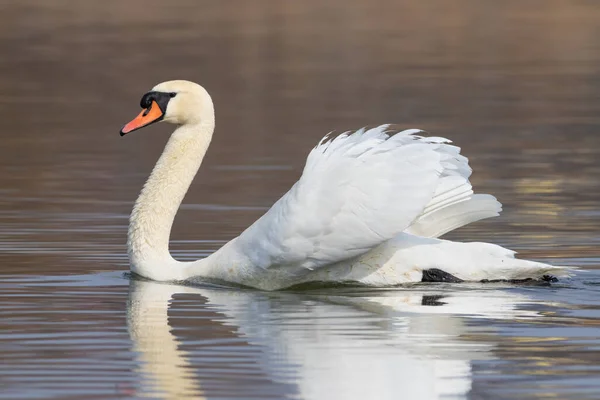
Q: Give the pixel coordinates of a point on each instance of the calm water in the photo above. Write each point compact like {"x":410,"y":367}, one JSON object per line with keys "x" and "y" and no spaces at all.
{"x":516,"y":84}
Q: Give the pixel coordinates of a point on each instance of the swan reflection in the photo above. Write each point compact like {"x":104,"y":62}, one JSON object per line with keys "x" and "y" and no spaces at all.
{"x":336,"y":345}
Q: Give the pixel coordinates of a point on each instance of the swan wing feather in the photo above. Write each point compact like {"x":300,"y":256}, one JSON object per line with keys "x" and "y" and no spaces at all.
{"x":357,"y":190}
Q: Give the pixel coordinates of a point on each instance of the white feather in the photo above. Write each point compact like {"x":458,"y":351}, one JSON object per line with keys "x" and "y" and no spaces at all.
{"x":439,"y":221}
{"x":357,"y":191}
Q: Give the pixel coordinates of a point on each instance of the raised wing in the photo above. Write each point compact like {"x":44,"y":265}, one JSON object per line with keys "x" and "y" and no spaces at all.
{"x":356,"y":191}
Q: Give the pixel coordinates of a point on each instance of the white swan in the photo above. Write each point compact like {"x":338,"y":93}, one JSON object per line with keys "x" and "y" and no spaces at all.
{"x":368,"y":208}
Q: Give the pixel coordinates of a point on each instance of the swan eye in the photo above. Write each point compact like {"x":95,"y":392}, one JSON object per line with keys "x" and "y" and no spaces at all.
{"x":146,"y":101}
{"x":172,"y":94}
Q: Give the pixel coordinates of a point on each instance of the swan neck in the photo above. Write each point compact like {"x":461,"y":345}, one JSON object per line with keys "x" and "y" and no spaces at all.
{"x":155,"y":208}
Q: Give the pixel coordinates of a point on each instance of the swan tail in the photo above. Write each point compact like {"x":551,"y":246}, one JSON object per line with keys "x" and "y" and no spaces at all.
{"x":513,"y":269}
{"x":454,"y":214}
{"x":477,"y":261}
{"x":412,"y":258}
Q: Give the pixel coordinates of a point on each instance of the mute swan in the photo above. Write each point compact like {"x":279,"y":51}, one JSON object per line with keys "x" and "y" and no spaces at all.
{"x":367,"y":209}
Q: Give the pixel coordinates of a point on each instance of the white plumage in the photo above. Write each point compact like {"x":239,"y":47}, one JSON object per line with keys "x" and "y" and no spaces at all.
{"x":366,"y":209}
{"x":356,"y":191}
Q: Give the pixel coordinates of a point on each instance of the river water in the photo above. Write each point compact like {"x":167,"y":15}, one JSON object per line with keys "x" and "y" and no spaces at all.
{"x":516,"y":84}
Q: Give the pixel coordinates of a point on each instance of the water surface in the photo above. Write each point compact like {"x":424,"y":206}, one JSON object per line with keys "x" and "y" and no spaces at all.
{"x":516,"y":85}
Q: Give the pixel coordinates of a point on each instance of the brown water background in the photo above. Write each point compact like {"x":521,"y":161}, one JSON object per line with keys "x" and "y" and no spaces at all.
{"x":516,"y":84}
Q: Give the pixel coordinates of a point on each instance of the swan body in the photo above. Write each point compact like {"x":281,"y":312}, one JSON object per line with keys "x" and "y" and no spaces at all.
{"x":368,"y":208}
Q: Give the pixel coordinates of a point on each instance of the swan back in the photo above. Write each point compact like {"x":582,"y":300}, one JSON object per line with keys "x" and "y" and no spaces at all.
{"x":356,"y":191}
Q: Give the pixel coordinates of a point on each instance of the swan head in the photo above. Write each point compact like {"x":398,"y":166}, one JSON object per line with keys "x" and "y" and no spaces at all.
{"x":177,"y":102}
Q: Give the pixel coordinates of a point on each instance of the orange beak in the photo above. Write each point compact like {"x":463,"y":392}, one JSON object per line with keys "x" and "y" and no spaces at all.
{"x":147,"y":116}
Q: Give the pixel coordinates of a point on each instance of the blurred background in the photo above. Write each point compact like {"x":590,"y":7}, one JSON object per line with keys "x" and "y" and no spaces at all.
{"x":515,"y":83}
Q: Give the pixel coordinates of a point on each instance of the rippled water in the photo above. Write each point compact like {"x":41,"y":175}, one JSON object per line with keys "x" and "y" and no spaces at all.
{"x":515,"y":84}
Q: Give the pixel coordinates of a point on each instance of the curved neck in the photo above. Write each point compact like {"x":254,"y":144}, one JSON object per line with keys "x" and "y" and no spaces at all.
{"x":154,"y":211}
